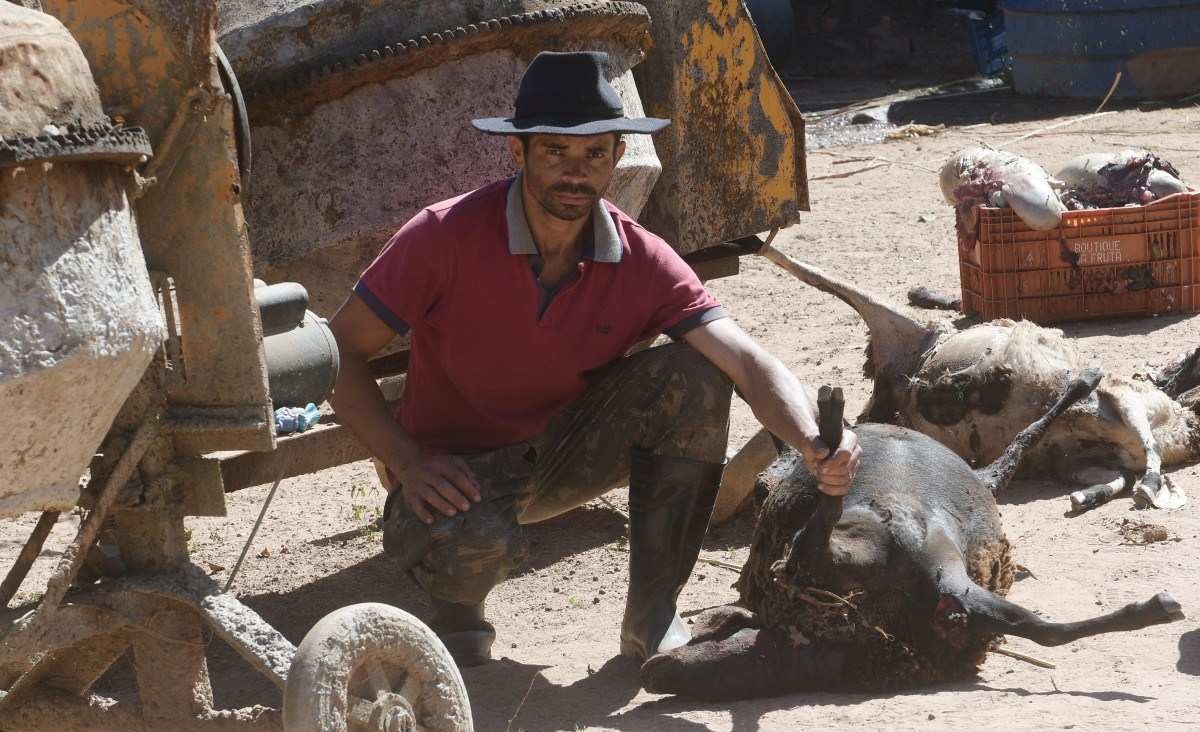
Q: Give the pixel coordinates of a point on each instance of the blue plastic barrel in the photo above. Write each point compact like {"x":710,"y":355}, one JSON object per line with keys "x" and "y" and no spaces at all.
{"x":985,"y":33}
{"x":1074,"y":48}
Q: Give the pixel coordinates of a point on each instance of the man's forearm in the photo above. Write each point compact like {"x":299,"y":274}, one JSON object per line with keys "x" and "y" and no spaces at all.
{"x":361,"y":407}
{"x":778,"y":399}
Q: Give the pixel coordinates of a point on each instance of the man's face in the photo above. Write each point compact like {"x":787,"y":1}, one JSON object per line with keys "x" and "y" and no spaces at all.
{"x":567,"y":174}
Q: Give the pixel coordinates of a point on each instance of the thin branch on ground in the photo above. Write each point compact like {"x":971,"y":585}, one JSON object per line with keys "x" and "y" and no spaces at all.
{"x":1056,"y":125}
{"x":849,"y":173}
{"x":1111,"y":89}
{"x":719,"y":563}
{"x":614,"y":507}
{"x":525,"y":698}
{"x":855,"y":159}
{"x":844,"y":159}
{"x":1023,"y":657}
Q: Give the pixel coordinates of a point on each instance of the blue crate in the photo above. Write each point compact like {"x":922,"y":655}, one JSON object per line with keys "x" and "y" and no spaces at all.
{"x":985,"y":33}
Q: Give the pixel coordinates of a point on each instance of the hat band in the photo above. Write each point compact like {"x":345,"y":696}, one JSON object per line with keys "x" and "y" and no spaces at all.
{"x":528,"y":111}
{"x":558,"y":120}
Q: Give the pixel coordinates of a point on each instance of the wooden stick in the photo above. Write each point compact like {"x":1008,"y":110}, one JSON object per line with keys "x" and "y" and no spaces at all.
{"x":524,"y":699}
{"x":25,"y":559}
{"x":849,"y":173}
{"x":613,"y":506}
{"x":848,"y":161}
{"x":719,"y":563}
{"x":844,"y":159}
{"x":1023,"y":657}
{"x":1111,"y":89}
{"x":1056,"y":125}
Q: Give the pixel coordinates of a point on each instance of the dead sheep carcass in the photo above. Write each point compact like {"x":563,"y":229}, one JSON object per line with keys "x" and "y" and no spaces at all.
{"x":974,"y":390}
{"x":900,"y":589}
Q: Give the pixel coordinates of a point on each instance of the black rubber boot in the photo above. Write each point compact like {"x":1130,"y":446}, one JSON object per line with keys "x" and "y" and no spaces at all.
{"x":464,"y":632}
{"x":670,"y":501}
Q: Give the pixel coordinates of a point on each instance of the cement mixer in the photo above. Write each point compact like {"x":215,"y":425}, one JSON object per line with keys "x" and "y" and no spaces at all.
{"x":149,"y":173}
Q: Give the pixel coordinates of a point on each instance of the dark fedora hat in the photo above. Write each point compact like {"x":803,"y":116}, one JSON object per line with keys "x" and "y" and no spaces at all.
{"x":568,"y":94}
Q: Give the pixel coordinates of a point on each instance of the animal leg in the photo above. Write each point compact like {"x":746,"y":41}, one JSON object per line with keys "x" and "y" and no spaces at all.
{"x":988,"y":613}
{"x":1181,"y":377}
{"x":999,"y":474}
{"x":965,"y":610}
{"x":1153,"y":489}
{"x":722,"y":622}
{"x":750,"y":663}
{"x":1102,"y":486}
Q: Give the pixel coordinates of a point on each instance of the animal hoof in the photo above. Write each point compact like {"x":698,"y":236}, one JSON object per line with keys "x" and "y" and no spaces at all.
{"x":923,"y":297}
{"x":1168,"y":607}
{"x":1158,"y":493}
{"x":660,"y":672}
{"x":1088,"y":498}
{"x":1085,"y":383}
{"x":721,"y":622}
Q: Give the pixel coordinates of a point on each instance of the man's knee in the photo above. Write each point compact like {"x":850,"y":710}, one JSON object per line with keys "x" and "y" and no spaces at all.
{"x":460,"y":558}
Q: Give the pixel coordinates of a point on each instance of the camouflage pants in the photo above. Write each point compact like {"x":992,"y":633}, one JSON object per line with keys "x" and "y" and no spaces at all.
{"x":670,"y":400}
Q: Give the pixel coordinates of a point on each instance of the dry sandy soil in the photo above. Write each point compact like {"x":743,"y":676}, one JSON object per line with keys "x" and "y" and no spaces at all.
{"x":886,"y":228}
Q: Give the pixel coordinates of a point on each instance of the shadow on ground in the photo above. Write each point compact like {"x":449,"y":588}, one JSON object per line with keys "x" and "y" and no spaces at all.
{"x":380,"y":579}
{"x":1120,"y":327}
{"x":993,"y":107}
{"x":1189,"y":653}
{"x":510,"y":695}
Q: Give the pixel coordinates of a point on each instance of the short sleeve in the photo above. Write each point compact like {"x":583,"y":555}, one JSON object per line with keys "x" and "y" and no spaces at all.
{"x":679,"y":301}
{"x":409,"y":276}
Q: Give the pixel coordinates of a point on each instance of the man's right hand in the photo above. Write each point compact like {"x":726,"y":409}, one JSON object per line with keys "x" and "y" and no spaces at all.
{"x":437,"y":481}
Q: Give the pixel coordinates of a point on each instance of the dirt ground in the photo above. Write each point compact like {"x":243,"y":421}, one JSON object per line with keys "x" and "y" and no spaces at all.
{"x":558,"y":617}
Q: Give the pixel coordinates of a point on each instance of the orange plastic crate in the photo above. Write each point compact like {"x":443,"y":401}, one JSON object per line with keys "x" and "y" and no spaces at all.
{"x":1100,"y":263}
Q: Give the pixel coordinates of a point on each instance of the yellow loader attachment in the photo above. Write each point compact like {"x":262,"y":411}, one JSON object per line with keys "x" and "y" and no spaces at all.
{"x":733,"y":157}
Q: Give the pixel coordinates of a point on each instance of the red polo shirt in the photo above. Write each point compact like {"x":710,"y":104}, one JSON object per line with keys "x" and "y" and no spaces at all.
{"x":494,"y":354}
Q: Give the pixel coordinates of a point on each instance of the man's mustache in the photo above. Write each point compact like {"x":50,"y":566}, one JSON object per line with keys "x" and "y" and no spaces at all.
{"x":574,"y":189}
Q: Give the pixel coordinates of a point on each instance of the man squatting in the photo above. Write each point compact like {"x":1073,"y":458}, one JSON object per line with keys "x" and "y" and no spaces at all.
{"x":522,"y":299}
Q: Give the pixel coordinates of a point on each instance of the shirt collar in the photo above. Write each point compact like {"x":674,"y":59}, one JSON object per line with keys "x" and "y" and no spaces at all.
{"x":605,"y":241}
